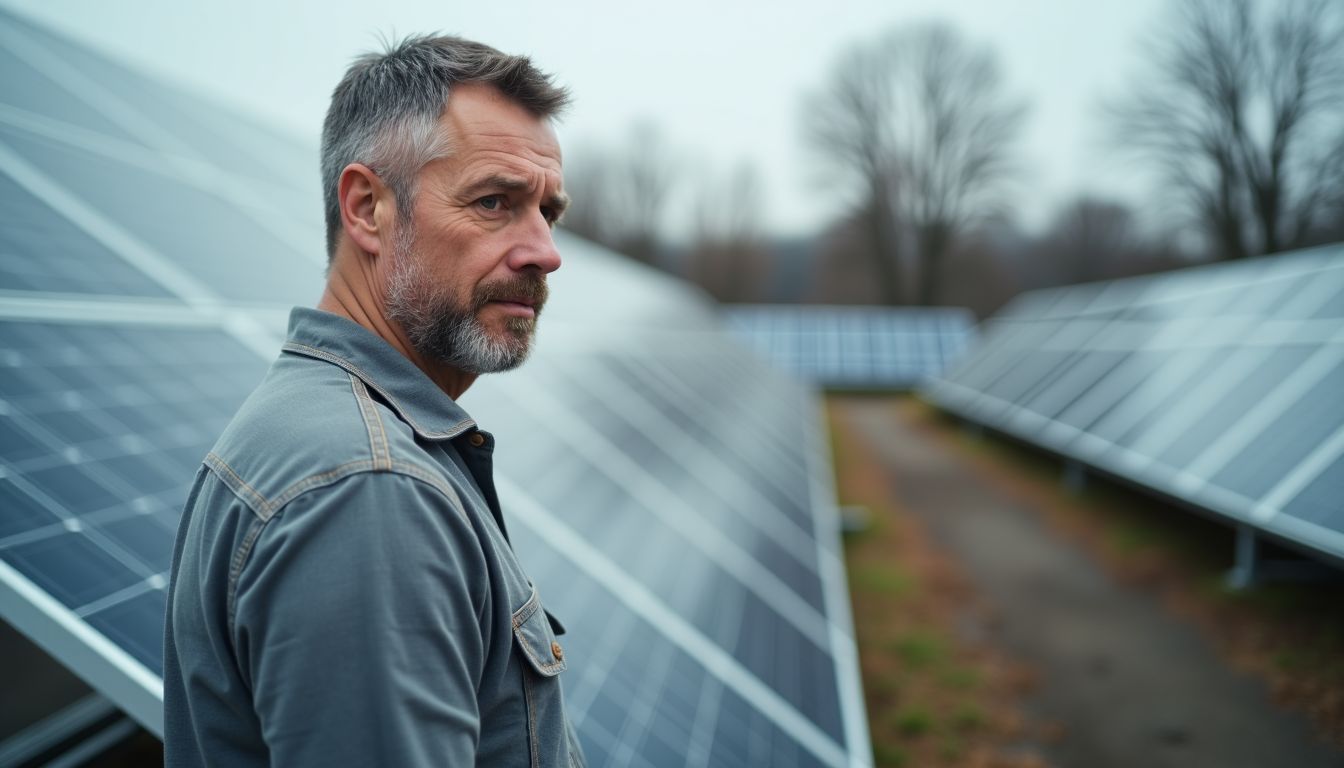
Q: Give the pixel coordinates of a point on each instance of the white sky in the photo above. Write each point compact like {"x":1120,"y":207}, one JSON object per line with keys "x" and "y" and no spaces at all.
{"x":724,"y":81}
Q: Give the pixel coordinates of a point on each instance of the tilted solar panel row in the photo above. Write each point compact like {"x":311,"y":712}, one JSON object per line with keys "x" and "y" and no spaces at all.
{"x":1222,"y":385}
{"x":843,"y":347}
{"x":669,"y":496}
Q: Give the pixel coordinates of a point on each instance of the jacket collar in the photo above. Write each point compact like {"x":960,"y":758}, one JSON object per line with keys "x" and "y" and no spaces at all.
{"x":347,"y":344}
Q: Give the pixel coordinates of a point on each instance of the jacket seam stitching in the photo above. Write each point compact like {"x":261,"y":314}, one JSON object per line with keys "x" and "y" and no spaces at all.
{"x":304,"y":349}
{"x":242,"y":555}
{"x":378,"y":443}
{"x":236,"y":569}
{"x":260,"y":506}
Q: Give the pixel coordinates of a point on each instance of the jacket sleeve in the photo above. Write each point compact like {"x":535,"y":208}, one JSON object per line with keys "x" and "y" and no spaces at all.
{"x":358,"y":626}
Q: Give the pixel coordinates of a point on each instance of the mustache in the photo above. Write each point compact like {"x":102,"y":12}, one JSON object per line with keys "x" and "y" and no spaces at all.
{"x":529,"y":288}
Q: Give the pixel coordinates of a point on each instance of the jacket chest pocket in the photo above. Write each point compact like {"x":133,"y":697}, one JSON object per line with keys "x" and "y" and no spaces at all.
{"x":543,"y":659}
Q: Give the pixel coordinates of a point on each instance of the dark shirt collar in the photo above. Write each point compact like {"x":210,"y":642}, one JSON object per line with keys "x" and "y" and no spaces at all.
{"x":343,"y":342}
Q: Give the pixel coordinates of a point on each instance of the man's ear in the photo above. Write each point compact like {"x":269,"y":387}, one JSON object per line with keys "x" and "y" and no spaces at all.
{"x":360,"y":194}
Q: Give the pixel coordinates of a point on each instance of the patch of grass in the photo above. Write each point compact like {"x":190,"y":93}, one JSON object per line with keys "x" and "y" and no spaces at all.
{"x":888,"y":755}
{"x":968,"y":717}
{"x":952,"y":749}
{"x":1130,"y":538}
{"x":907,"y":599}
{"x":960,"y":678}
{"x":919,"y":649}
{"x":1290,"y":660}
{"x":884,"y":579}
{"x":914,"y":721}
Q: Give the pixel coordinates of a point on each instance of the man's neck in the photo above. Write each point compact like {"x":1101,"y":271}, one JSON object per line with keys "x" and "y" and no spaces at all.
{"x":349,"y":293}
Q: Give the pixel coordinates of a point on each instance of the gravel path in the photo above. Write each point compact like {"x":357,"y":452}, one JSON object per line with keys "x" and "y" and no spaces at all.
{"x":1130,"y":684}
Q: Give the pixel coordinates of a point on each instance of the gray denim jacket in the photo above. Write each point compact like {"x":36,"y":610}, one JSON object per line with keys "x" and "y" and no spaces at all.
{"x":343,"y":589}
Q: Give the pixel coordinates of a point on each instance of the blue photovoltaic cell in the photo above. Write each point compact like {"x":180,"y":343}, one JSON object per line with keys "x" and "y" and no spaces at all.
{"x":1322,"y":502}
{"x":229,"y":140}
{"x":711,"y":521}
{"x":704,"y":496}
{"x":27,"y":88}
{"x":636,"y":698}
{"x":136,"y":624}
{"x":854,"y":347}
{"x":73,"y":567}
{"x":1223,"y":379}
{"x":92,"y":476}
{"x":42,"y":251}
{"x":1287,"y":441}
{"x":209,"y":237}
{"x":696,"y":587}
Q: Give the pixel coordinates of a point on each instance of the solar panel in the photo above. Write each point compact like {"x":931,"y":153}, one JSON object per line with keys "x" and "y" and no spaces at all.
{"x":1220,"y":385}
{"x":840,"y":347}
{"x":676,"y":489}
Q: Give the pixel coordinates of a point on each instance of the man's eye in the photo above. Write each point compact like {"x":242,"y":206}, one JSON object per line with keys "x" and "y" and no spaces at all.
{"x":550,"y":214}
{"x":491,"y":203}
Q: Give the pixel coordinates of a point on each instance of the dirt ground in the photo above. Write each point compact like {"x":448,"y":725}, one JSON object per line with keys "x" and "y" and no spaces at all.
{"x":1119,"y":678}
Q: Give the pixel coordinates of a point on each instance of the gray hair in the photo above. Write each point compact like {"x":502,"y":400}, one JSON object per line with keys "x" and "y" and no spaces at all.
{"x":385,"y":111}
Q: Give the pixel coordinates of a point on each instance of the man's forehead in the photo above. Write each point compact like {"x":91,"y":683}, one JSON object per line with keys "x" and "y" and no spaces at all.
{"x":480,"y":115}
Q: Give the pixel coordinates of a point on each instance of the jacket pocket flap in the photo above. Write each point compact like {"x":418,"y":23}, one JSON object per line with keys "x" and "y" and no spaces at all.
{"x":532,"y":628}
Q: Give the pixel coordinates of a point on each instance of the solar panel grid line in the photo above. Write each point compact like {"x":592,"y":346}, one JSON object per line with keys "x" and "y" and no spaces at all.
{"x":1137,"y":406}
{"x":739,"y":497}
{"x":702,"y":730}
{"x":1301,"y":476}
{"x":102,"y":229}
{"x":157,"y":581}
{"x":85,"y":651}
{"x":1293,"y":387}
{"x":1206,"y":337}
{"x":70,"y":523}
{"x":835,"y":594}
{"x":639,"y":715}
{"x":36,"y":306}
{"x":1055,"y":433}
{"x":251,"y":196}
{"x":1221,"y":378}
{"x":581,"y":692}
{"x":721,"y":409}
{"x":773,"y":470}
{"x":1015,"y":350}
{"x":1105,"y":458}
{"x":1327,"y":540}
{"x":756,"y":458}
{"x":218,"y":241}
{"x":672,"y":511}
{"x":652,"y":609}
{"x":79,"y":85}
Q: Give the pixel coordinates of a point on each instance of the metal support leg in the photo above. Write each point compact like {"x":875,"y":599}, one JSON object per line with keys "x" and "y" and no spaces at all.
{"x":1074,"y":478}
{"x":56,"y":728}
{"x":1243,"y":573}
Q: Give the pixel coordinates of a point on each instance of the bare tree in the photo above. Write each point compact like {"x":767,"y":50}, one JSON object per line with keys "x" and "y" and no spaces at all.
{"x":620,"y":194}
{"x":727,"y":256}
{"x":919,"y":122}
{"x":1089,"y":239}
{"x":1243,"y":111}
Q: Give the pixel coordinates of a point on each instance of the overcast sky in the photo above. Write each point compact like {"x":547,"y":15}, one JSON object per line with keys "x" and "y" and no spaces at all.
{"x":723,"y":81}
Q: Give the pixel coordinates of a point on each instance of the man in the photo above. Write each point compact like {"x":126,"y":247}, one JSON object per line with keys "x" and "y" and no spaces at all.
{"x":343,"y":590}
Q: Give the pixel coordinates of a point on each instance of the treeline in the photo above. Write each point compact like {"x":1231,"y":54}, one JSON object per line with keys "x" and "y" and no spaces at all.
{"x":1238,"y":114}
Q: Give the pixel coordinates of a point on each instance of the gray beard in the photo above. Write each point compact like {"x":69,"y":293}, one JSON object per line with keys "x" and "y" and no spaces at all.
{"x":448,"y":332}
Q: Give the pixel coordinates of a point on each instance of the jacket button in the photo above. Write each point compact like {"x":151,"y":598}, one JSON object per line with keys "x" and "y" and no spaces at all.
{"x":557,"y":651}
{"x":477,"y":439}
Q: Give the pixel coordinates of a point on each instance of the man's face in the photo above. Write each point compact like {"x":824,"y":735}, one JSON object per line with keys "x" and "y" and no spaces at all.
{"x":467,"y":278}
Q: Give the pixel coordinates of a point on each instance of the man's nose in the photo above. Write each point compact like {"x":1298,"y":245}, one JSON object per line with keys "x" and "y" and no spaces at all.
{"x":536,"y":247}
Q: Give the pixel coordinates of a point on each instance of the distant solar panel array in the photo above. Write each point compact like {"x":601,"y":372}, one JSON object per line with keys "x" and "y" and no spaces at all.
{"x":1220,"y":385}
{"x":855,"y":347}
{"x":669,"y":496}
